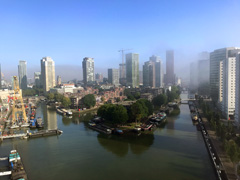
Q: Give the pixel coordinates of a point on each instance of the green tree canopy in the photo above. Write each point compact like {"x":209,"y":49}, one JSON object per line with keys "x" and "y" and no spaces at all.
{"x":58,"y":97}
{"x":159,"y":100}
{"x":116,"y":114}
{"x":89,"y":100}
{"x":148,"y":104}
{"x":66,"y":102}
{"x":138,"y":111}
{"x":50,"y":96}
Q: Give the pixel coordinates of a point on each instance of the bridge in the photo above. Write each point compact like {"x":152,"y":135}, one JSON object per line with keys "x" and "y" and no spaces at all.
{"x":185,"y":101}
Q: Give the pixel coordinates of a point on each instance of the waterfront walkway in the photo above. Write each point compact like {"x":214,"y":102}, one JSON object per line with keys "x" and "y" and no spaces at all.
{"x":228,"y":166}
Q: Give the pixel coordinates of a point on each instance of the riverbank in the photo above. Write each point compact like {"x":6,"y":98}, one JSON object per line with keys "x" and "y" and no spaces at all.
{"x":227,"y":164}
{"x":85,"y":111}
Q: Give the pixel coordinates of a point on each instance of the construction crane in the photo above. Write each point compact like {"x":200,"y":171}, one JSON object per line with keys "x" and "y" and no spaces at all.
{"x":122,"y":51}
{"x":18,"y":106}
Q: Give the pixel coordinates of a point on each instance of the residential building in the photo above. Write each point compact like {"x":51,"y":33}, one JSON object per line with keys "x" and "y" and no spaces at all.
{"x":47,"y":73}
{"x":228,"y":88}
{"x":0,"y":76}
{"x":237,"y":91}
{"x":113,"y":76}
{"x":59,"y":80}
{"x":132,"y":67}
{"x":22,"y":74}
{"x":193,"y":77}
{"x":203,"y":77}
{"x":88,"y":70}
{"x":149,"y":74}
{"x":215,"y":57}
{"x":37,"y":79}
{"x":140,"y":77}
{"x":122,"y":74}
{"x":158,"y":70}
{"x":170,"y":76}
{"x":99,"y":77}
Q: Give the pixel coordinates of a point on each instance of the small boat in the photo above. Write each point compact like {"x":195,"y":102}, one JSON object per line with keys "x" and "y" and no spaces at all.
{"x":14,"y":156}
{"x":16,"y":166}
{"x":118,"y":131}
{"x":33,"y":123}
{"x":39,"y":122}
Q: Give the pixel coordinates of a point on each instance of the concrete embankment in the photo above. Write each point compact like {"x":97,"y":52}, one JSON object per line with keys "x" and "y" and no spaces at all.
{"x":217,"y":145}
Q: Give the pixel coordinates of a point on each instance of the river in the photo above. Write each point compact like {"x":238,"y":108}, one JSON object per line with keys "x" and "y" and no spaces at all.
{"x":174,"y":151}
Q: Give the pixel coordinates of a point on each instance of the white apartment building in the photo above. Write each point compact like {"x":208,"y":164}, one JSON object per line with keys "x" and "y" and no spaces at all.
{"x":220,"y":83}
{"x":88,"y":70}
{"x":228,"y":86}
{"x":215,"y":57}
{"x":237,"y":90}
{"x":47,"y":73}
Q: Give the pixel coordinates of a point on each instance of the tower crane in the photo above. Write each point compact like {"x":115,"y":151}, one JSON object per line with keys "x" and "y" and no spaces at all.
{"x":122,"y":51}
{"x":18,"y":106}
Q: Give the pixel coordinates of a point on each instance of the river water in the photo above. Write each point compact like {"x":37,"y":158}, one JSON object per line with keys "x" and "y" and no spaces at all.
{"x":174,"y":151}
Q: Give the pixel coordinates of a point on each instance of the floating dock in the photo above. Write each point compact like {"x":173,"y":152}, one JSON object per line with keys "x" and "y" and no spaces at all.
{"x":43,"y":133}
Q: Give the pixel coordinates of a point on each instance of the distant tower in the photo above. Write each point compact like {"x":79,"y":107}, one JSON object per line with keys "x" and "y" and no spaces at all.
{"x":22,"y":74}
{"x":59,"y":80}
{"x":88,"y":70}
{"x":132,"y":67}
{"x":113,"y":76}
{"x":37,"y":79}
{"x":170,"y":76}
{"x":0,"y":77}
{"x":99,"y":77}
{"x":158,"y":70}
{"x":149,"y":75}
{"x":47,"y":73}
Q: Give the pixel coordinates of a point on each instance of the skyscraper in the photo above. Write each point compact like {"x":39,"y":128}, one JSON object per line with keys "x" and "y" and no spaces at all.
{"x":88,"y":70}
{"x":113,"y":76}
{"x":0,"y":76}
{"x":158,"y":70}
{"x":170,"y":76}
{"x":37,"y":79}
{"x":47,"y":73}
{"x":215,"y":57}
{"x":237,"y":90}
{"x":149,"y":74}
{"x":228,"y":87}
{"x":22,"y":74}
{"x":122,"y":74}
{"x":59,"y":80}
{"x":132,"y":67}
{"x":99,"y":77}
{"x":193,"y":77}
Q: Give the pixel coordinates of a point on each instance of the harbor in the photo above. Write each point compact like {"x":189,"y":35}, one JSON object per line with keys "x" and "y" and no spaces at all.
{"x":176,"y":149}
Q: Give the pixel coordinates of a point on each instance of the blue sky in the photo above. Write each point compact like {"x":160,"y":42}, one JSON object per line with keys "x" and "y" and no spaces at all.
{"x":69,"y":30}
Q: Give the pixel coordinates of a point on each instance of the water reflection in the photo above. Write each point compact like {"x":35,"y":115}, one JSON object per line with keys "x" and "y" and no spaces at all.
{"x":120,"y":145}
{"x":49,"y":117}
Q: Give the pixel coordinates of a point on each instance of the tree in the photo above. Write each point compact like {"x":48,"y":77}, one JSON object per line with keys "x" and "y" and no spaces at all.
{"x":233,"y":151}
{"x":58,"y":97}
{"x":138,"y":111}
{"x":115,"y":114}
{"x":148,"y":104}
{"x":159,"y":100}
{"x":50,"y":96}
{"x":117,"y":99}
{"x":119,"y":115}
{"x":89,"y":100}
{"x":66,"y":102}
{"x":102,"y":99}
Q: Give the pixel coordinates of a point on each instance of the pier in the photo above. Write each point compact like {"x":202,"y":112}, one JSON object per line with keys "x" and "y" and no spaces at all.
{"x":41,"y":133}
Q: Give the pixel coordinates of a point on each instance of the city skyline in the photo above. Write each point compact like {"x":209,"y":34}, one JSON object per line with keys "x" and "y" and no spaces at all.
{"x":75,"y":34}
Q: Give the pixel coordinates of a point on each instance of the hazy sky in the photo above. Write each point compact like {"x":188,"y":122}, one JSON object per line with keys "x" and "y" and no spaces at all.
{"x":69,"y":30}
